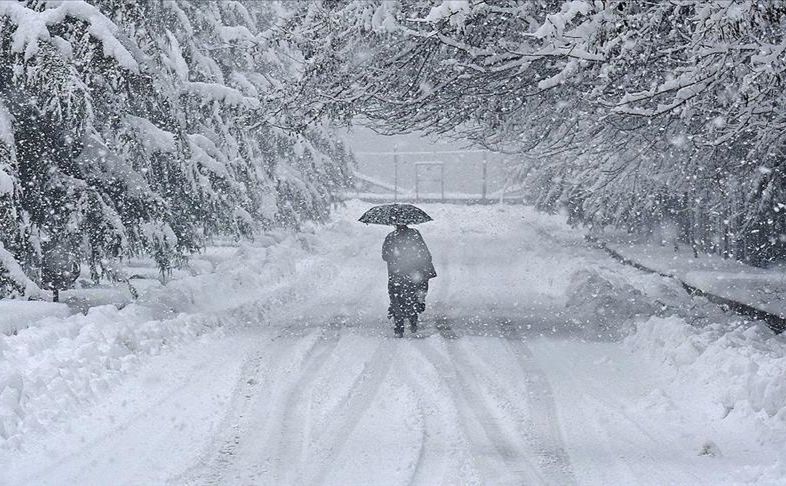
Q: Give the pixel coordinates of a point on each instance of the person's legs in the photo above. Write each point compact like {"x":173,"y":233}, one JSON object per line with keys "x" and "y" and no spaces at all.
{"x":396,"y":309}
{"x":422,"y":291}
{"x":406,"y":302}
{"x":409,"y":303}
{"x":398,"y":327}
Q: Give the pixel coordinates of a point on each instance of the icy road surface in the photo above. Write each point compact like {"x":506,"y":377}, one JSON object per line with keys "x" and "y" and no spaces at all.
{"x":306,"y":385}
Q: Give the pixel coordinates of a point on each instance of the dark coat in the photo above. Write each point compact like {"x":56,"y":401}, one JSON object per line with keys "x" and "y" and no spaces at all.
{"x":407,"y":255}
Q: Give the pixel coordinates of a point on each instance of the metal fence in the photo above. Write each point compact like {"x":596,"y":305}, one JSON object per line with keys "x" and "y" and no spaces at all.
{"x":460,"y":175}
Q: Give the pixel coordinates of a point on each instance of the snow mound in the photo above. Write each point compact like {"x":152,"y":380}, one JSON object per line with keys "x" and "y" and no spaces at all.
{"x":745,"y":364}
{"x":603,"y":303}
{"x":18,"y":314}
{"x":736,"y":371}
{"x":50,"y":370}
{"x":56,"y":364}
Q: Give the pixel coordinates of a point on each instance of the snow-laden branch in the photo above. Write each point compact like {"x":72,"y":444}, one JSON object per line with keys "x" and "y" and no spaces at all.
{"x":33,"y":27}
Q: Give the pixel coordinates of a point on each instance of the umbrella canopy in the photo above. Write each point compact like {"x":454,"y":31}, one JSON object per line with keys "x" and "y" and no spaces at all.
{"x":393,"y":214}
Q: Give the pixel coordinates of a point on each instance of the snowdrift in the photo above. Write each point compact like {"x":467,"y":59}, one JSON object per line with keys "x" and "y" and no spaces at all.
{"x":736,"y":371}
{"x":57,"y":363}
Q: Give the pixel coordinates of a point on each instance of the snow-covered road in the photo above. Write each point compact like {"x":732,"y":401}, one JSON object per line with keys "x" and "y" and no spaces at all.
{"x":343,"y":404}
{"x":504,"y":384}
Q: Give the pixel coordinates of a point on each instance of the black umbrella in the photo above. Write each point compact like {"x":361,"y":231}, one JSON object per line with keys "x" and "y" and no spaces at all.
{"x":393,"y":214}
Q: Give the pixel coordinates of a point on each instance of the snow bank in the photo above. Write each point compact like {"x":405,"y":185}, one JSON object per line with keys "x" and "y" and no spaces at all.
{"x":746,"y":363}
{"x":738,"y":368}
{"x":54,"y":366}
{"x":18,"y":314}
{"x":604,"y":302}
{"x":49,"y":370}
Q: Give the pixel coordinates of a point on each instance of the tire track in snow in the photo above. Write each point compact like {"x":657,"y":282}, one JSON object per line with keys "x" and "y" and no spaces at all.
{"x":489,"y":442}
{"x":262,"y":372}
{"x":291,"y":423}
{"x":224,"y":448}
{"x":438,"y":462}
{"x":543,"y":410}
{"x":351,"y":409}
{"x":540,"y":431}
{"x":519,"y":424}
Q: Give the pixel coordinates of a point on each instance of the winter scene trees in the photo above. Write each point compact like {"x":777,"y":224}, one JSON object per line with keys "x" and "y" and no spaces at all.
{"x":634,"y":114}
{"x":392,"y":242}
{"x":147,"y":128}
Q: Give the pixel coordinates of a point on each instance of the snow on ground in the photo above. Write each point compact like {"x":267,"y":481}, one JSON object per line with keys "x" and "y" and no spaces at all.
{"x":540,"y":361}
{"x":53,"y":366}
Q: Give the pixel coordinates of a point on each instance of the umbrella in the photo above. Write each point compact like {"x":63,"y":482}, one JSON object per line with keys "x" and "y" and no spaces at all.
{"x":393,"y":214}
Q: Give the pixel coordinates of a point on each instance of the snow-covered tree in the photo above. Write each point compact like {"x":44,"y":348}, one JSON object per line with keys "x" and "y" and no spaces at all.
{"x":631,"y":113}
{"x":147,"y":127}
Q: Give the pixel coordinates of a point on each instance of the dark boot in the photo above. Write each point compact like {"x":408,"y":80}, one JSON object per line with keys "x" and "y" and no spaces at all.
{"x":413,"y":323}
{"x":398,"y":328}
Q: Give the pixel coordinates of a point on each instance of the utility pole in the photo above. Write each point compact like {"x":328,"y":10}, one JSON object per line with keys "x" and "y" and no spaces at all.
{"x":485,"y":172}
{"x":442,"y":180}
{"x":395,"y":173}
{"x":417,"y":182}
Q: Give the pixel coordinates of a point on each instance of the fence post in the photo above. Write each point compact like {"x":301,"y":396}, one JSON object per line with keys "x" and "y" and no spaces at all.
{"x":442,"y":181}
{"x":417,"y":183}
{"x":485,"y":167}
{"x":395,"y":173}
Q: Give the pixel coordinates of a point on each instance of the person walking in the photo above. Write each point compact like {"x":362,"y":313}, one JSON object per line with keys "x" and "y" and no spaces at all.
{"x":409,"y":270}
{"x":408,"y":259}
